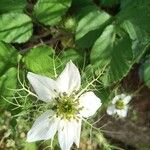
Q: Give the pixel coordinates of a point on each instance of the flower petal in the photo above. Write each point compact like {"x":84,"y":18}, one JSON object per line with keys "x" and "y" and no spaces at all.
{"x":122,"y":112}
{"x":66,"y":134}
{"x":69,"y":80}
{"x":127,"y":99}
{"x":90,"y":103}
{"x":111,"y":110}
{"x":44,"y":87}
{"x":123,"y":96}
{"x":44,"y":127}
{"x":78,"y":133}
{"x":117,"y":97}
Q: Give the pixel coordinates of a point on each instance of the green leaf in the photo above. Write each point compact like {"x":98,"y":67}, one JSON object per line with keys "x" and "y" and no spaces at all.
{"x":90,"y":25}
{"x":129,"y":3}
{"x":103,"y":47}
{"x":78,"y":5}
{"x":8,"y":57}
{"x":110,"y":2}
{"x":103,"y":92}
{"x":137,"y":18}
{"x":140,"y":37}
{"x":71,"y":54}
{"x":49,"y":12}
{"x":112,"y":52}
{"x":90,"y":22}
{"x":146,"y":72}
{"x":81,"y":3}
{"x":30,"y":146}
{"x":15,"y":27}
{"x":8,"y":71}
{"x":8,"y":81}
{"x":40,"y":60}
{"x":134,"y":31}
{"x":12,"y":5}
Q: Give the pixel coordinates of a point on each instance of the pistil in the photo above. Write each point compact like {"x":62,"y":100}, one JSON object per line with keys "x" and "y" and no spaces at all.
{"x":66,"y":106}
{"x":120,"y":104}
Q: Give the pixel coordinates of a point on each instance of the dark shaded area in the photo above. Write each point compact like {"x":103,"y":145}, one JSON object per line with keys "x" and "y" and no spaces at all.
{"x":112,"y":10}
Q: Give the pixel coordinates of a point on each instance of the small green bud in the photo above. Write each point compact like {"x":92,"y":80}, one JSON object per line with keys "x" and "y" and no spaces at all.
{"x":70,"y":23}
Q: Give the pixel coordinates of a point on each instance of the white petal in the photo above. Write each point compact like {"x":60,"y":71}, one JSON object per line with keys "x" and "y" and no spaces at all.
{"x":90,"y":103}
{"x":117,"y":97}
{"x":122,"y":96}
{"x":69,"y":80}
{"x":44,"y":87}
{"x":78,"y":133}
{"x":66,"y":134}
{"x":127,"y":99}
{"x":44,"y":127}
{"x":123,"y":112}
{"x":111,"y":110}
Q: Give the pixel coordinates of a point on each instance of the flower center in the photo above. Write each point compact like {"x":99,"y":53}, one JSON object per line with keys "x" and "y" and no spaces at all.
{"x":120,"y":104}
{"x":67,"y":107}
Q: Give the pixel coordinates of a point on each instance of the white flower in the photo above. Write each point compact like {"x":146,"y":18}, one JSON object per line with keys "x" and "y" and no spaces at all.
{"x":69,"y":108}
{"x":119,"y":105}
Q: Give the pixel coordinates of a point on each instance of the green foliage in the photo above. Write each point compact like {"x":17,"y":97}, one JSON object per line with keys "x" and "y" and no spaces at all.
{"x":12,"y":5}
{"x":49,"y":33}
{"x":146,"y":72}
{"x":8,"y":82}
{"x":104,"y":93}
{"x":110,"y":2}
{"x":49,"y":12}
{"x":8,"y":57}
{"x":71,"y":54}
{"x":15,"y":27}
{"x":92,"y":21}
{"x":40,"y":60}
{"x":8,"y":71}
{"x":30,"y":146}
{"x":129,"y":3}
{"x":79,"y":3}
{"x":112,"y":51}
{"x":137,"y":21}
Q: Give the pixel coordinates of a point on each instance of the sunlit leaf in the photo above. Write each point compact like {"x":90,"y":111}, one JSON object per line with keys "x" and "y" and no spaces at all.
{"x":30,"y":146}
{"x":89,"y":26}
{"x":15,"y":27}
{"x":92,"y":21}
{"x":40,"y":60}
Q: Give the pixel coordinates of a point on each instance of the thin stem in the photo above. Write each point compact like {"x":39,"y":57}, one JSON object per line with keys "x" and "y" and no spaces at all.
{"x":138,"y":90}
{"x":100,"y":136}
